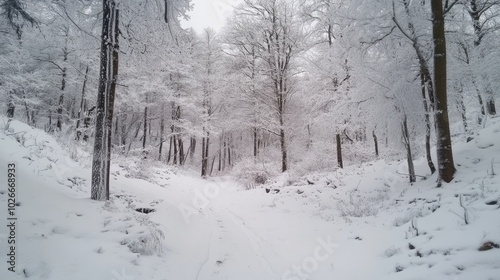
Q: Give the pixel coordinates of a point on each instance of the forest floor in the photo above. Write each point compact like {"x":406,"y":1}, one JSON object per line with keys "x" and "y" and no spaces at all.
{"x":361,"y":222}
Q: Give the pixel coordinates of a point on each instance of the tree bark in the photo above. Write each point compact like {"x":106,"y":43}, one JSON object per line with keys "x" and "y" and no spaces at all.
{"x":409,"y":157}
{"x":446,"y":165}
{"x":204,"y":153}
{"x":63,"y":87}
{"x":11,"y":106}
{"x":339,"y":151}
{"x":108,"y":74}
{"x":162,"y":130}
{"x":145,"y":132}
{"x":192,"y":148}
{"x":375,"y":142}
{"x":82,"y":102}
{"x":255,"y":142}
{"x":427,"y":125}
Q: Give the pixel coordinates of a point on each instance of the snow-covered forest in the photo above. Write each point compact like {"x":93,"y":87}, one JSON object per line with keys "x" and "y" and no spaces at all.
{"x":304,"y":139}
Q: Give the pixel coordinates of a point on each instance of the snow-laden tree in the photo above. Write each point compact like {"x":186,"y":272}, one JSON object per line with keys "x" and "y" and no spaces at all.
{"x":273,"y":31}
{"x":108,"y":76}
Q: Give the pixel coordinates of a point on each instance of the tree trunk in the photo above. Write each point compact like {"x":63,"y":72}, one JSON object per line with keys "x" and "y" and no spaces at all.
{"x":169,"y":155}
{"x":284,"y":163}
{"x":446,"y":165}
{"x":427,"y":125}
{"x":220,"y":153}
{"x":224,"y":156}
{"x":204,"y":153}
{"x":255,"y":142}
{"x":375,"y":142}
{"x":309,"y":137}
{"x":11,"y":106}
{"x":145,"y":132}
{"x":174,"y":141}
{"x":63,"y":87}
{"x":339,"y":151}
{"x":490,"y":105}
{"x":82,"y":102}
{"x":123,"y":134}
{"x":162,"y":130}
{"x":105,"y":101}
{"x":181,"y":149}
{"x":409,"y":157}
{"x":192,"y":148}
{"x":229,"y":150}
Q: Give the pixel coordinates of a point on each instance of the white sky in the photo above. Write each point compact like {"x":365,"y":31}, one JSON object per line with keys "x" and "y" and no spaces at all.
{"x":209,"y":13}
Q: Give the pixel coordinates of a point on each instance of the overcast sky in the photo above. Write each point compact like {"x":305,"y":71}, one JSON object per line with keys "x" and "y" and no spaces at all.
{"x":209,"y":13}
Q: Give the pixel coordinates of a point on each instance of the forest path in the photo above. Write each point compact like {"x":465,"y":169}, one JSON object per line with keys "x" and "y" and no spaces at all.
{"x":235,"y":251}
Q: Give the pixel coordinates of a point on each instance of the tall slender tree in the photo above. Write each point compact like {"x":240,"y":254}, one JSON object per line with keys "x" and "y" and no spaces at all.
{"x":108,"y":74}
{"x":446,"y":165}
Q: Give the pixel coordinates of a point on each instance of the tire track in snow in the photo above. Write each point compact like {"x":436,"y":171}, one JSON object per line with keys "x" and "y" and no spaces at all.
{"x":209,"y":257}
{"x":233,"y":249}
{"x":256,"y":243}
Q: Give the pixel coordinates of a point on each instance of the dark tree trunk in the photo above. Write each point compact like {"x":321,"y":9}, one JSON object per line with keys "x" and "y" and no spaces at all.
{"x":375,"y":142}
{"x":123,"y":134}
{"x":203,"y":166}
{"x":409,"y":157}
{"x":169,"y":155}
{"x":339,"y":151}
{"x":11,"y":106}
{"x":220,"y":153}
{"x":229,"y":150}
{"x":174,"y":140}
{"x":255,"y":142}
{"x":162,"y":131}
{"x":181,"y":149}
{"x":446,"y":165}
{"x":284,"y":160}
{"x":145,"y":133}
{"x":490,"y":105}
{"x":224,"y":156}
{"x":204,"y":153}
{"x":108,"y":74}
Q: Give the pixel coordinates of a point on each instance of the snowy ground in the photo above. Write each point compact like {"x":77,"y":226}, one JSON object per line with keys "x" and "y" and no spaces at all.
{"x":363,"y":222}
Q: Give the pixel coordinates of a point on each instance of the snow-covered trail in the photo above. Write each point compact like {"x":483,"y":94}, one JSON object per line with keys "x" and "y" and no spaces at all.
{"x":356,"y":223}
{"x":234,"y":251}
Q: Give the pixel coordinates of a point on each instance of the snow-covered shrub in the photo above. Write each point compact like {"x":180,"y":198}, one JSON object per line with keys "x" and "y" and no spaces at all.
{"x":251,"y":173}
{"x":408,"y":216}
{"x":391,"y":251}
{"x":362,"y":205}
{"x":138,"y":169}
{"x":148,"y":243}
{"x":321,"y":157}
{"x":145,"y":238}
{"x":357,"y":207}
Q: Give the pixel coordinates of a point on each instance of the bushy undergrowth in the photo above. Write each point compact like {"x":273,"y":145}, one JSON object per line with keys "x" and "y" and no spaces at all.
{"x":361,"y":205}
{"x":251,"y":173}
